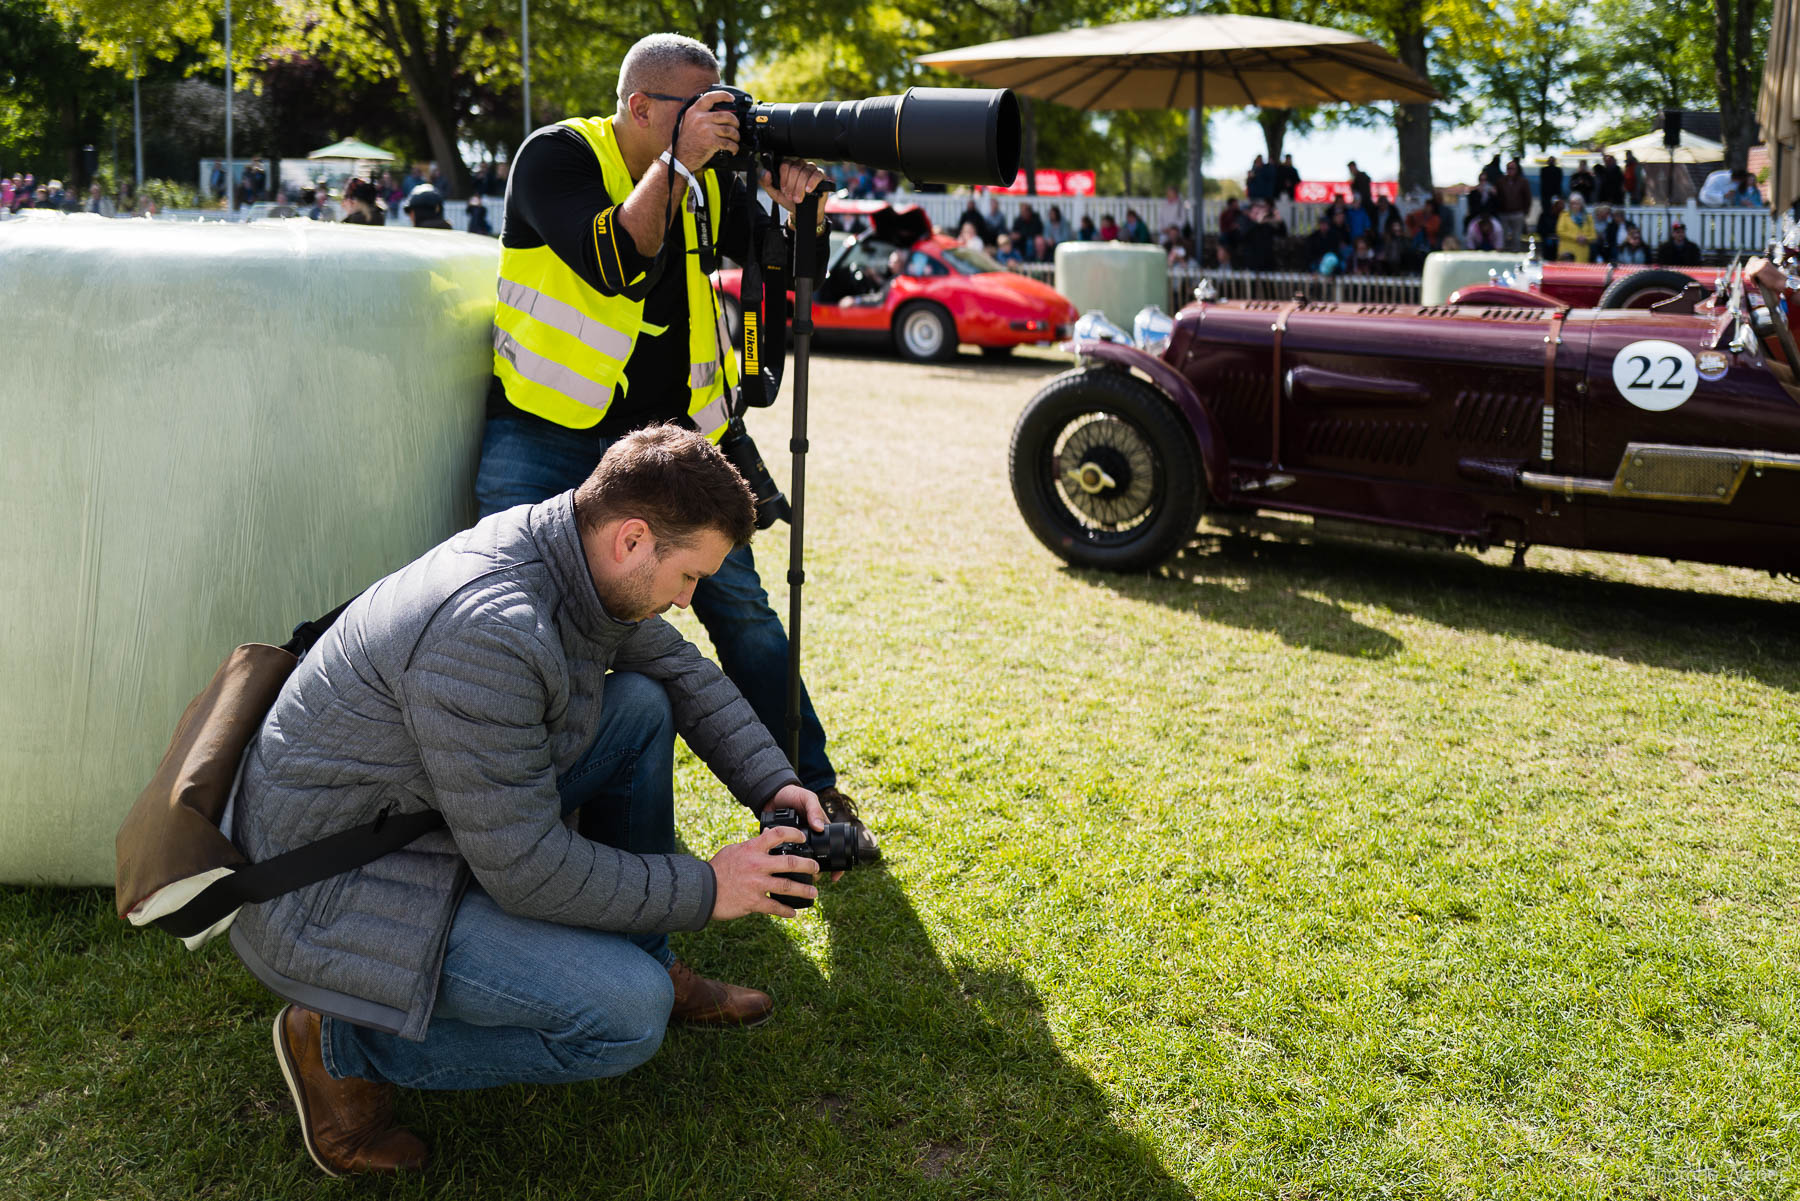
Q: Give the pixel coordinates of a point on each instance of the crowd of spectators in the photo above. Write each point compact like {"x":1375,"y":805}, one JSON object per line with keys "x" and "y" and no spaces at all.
{"x":22,"y":190}
{"x":1367,"y":235}
{"x":27,"y":192}
{"x":1030,"y":238}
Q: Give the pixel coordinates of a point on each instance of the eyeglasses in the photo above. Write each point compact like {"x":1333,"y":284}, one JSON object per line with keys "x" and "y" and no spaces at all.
{"x":666,"y":96}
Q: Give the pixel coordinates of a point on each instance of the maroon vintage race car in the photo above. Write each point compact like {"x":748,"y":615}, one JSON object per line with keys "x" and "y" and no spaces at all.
{"x":1587,"y":285}
{"x":1672,"y":432}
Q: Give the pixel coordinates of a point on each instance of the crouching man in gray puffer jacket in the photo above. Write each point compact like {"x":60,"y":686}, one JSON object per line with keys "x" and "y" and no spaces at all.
{"x":514,"y":676}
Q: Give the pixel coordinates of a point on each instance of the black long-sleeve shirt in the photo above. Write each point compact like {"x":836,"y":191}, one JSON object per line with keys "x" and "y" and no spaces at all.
{"x":556,"y":196}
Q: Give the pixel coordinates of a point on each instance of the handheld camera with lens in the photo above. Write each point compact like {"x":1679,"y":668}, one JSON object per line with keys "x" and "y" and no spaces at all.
{"x":834,"y":849}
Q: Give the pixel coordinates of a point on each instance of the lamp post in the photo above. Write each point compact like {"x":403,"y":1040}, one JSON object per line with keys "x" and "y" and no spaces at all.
{"x":137,"y":125}
{"x":230,"y":186}
{"x":525,"y":57}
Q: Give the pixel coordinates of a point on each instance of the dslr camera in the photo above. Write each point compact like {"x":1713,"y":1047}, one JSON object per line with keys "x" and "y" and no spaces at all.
{"x":932,"y":135}
{"x":834,"y":849}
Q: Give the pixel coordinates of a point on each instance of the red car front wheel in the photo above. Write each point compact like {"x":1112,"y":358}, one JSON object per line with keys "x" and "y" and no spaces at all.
{"x":924,"y":333}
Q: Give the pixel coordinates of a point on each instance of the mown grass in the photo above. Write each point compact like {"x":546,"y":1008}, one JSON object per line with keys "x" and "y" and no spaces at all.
{"x":1288,"y":871}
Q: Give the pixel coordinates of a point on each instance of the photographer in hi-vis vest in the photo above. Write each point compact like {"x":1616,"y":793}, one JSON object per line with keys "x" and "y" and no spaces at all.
{"x":608,"y":322}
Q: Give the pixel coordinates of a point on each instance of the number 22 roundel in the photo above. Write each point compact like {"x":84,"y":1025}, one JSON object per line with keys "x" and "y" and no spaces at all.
{"x":1654,"y":374}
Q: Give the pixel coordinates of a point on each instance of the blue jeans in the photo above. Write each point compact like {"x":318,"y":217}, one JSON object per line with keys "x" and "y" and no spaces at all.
{"x":524,"y":461}
{"x":523,"y":1001}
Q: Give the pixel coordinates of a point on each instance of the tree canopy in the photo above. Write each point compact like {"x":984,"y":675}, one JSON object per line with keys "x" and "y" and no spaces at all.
{"x":435,"y":76}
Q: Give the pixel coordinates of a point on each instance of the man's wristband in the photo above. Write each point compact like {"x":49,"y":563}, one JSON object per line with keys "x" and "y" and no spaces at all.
{"x":681,"y":168}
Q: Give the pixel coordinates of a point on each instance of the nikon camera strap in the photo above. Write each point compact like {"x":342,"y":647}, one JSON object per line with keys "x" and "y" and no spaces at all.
{"x":763,"y":298}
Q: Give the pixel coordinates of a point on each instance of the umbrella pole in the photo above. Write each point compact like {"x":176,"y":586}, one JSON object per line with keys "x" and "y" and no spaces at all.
{"x":1196,"y":154}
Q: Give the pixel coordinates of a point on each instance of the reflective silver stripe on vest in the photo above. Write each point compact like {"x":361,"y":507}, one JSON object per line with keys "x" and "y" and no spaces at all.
{"x":715,"y":414}
{"x":551,"y":374}
{"x":565,"y":317}
{"x":702,"y":374}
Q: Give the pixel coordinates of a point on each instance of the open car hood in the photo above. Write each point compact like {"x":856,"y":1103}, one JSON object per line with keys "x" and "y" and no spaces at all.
{"x":901,"y":225}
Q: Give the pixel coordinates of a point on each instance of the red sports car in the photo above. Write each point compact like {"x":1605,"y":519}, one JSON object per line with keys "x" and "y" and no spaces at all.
{"x":895,"y":281}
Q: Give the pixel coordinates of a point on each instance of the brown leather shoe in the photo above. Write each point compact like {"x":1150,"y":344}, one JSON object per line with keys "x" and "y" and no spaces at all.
{"x":703,"y":1002}
{"x":840,"y":808}
{"x":347,"y":1125}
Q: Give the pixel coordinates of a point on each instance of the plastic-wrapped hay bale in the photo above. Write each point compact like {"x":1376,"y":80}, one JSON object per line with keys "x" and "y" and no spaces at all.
{"x":1446,"y":271}
{"x":213,"y":432}
{"x":1118,"y":278}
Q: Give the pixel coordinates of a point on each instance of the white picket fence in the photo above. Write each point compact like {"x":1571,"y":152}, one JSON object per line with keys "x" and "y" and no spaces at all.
{"x":1270,"y":285}
{"x":1720,"y":231}
{"x":1725,"y":231}
{"x":455,"y":212}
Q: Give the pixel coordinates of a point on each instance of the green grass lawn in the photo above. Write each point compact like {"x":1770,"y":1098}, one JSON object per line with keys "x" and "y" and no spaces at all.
{"x":1287,"y":871}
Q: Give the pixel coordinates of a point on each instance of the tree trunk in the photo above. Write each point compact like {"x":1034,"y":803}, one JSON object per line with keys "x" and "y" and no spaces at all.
{"x":440,"y":131}
{"x":1735,"y":77}
{"x":1412,"y":122}
{"x":1274,"y":123}
{"x":733,"y":51}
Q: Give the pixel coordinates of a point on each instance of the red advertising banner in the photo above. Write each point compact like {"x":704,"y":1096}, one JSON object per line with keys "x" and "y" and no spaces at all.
{"x":1314,"y":191}
{"x":1051,"y":182}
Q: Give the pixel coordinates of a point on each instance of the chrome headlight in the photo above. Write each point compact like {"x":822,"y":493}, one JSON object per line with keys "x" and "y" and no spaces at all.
{"x":1151,"y":328}
{"x":1093,"y":326}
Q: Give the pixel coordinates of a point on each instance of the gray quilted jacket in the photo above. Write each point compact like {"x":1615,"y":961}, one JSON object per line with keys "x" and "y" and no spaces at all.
{"x":466,"y":682}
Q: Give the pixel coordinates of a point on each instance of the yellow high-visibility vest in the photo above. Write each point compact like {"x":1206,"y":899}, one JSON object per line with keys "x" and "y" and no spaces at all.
{"x":560,"y":347}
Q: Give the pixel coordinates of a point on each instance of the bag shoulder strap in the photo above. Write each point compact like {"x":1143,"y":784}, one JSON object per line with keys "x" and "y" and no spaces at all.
{"x":304,"y":865}
{"x":309,"y":632}
{"x":309,"y":864}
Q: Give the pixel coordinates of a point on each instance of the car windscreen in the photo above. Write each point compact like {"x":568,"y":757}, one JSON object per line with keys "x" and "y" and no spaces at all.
{"x":840,"y":242}
{"x":968,"y":261}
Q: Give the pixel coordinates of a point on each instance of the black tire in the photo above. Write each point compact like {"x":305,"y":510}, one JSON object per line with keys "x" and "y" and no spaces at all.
{"x":1641,"y":289}
{"x":1142,"y":501}
{"x":924,"y":333}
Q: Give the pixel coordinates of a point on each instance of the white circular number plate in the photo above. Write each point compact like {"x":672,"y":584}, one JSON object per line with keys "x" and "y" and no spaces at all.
{"x":1655,"y":375}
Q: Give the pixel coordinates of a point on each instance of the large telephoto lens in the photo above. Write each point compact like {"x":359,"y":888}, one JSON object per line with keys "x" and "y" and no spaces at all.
{"x":931,"y":135}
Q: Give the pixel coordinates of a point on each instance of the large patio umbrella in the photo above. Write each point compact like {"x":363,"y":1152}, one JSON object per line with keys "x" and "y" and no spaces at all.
{"x":353,"y":148}
{"x":1778,"y":104}
{"x":1190,"y":62}
{"x":1692,"y":148}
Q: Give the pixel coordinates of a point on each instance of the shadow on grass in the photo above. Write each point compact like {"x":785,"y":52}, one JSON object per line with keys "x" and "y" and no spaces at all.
{"x":1194,"y":582}
{"x":1261,"y":583}
{"x":135,"y":1069}
{"x":887,"y":1073}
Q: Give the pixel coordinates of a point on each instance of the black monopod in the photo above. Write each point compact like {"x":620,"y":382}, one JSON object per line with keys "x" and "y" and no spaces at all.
{"x":941,"y":135}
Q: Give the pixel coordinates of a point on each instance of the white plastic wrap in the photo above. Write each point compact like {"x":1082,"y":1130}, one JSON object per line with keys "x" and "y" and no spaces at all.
{"x":1118,"y":278}
{"x":1447,"y":271}
{"x":212,"y":433}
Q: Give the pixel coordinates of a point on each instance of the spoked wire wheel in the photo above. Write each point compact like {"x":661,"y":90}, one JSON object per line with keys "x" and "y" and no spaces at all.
{"x":1104,"y":471}
{"x":1106,"y":476}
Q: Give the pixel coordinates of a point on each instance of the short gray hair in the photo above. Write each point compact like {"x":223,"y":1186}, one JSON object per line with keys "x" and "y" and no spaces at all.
{"x":651,"y":60}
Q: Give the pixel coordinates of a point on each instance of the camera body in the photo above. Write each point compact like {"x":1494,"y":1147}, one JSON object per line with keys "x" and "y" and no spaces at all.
{"x":834,"y":849}
{"x":744,"y":105}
